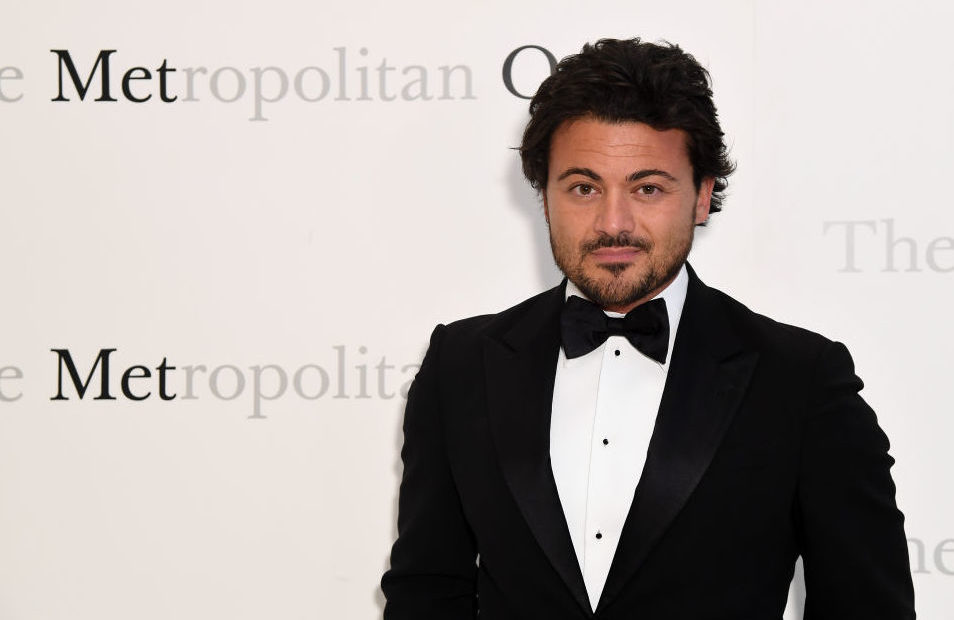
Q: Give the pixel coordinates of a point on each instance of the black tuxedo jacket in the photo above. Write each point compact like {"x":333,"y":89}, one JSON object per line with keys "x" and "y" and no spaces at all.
{"x":762,"y":451}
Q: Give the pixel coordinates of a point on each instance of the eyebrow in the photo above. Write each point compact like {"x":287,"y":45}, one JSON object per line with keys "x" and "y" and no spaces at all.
{"x":581,"y":171}
{"x":642,"y":174}
{"x":636,"y":176}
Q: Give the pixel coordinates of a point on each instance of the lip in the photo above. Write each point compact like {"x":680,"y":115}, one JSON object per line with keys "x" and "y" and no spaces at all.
{"x":615,"y":254}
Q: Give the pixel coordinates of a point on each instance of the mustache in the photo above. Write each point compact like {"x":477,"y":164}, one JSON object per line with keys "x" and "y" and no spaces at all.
{"x":622,"y":240}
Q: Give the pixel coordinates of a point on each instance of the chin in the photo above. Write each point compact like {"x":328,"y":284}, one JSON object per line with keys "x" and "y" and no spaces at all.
{"x":615,"y":270}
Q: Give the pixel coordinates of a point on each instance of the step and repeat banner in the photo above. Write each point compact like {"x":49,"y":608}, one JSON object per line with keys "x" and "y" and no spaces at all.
{"x":228,"y":228}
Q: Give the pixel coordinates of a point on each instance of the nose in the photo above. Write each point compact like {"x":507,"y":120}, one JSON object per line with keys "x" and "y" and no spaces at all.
{"x":615,"y":214}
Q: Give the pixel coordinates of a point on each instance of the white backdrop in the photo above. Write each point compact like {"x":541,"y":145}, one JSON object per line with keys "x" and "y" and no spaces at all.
{"x":290,"y":267}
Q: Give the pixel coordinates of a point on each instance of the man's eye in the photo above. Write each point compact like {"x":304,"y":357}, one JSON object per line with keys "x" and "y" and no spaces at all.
{"x":648,"y":190}
{"x":583,"y":189}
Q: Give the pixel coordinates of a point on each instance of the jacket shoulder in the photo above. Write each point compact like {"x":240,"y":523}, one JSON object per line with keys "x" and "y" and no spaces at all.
{"x":767,"y":335}
{"x":474,"y":329}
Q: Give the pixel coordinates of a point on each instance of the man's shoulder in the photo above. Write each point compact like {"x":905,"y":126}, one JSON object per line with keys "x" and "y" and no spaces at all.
{"x":499,"y":323}
{"x":764,"y":334}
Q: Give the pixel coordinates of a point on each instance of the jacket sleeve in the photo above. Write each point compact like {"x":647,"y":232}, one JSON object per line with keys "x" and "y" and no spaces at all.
{"x":433,"y":562}
{"x":852,"y":535}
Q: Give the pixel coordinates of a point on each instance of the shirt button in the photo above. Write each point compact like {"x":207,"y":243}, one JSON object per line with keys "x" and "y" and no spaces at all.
{"x":598,"y":536}
{"x":605,"y":441}
{"x":616,"y":352}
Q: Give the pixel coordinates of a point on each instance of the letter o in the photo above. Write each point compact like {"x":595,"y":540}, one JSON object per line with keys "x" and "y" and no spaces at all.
{"x":214,"y":382}
{"x":300,"y":84}
{"x":239,"y":81}
{"x":300,"y":390}
{"x":508,"y":67}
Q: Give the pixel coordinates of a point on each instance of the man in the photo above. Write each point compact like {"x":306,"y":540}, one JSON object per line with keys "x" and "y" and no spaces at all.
{"x":633,"y":444}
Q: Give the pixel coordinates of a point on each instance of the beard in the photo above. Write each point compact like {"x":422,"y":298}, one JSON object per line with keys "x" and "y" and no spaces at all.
{"x":622,"y":284}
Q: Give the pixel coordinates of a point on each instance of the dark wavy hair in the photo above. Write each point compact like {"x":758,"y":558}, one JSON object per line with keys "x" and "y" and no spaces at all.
{"x":617,"y":80}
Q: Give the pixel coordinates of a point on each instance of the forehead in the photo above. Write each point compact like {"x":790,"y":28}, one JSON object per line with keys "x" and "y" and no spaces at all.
{"x":626,"y":146}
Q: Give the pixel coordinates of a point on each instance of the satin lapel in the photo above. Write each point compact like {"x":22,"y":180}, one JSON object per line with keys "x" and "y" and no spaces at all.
{"x":521,"y":364}
{"x":707,"y":379}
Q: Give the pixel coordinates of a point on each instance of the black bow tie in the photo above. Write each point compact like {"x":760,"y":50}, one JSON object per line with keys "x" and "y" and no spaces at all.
{"x":584,"y":327}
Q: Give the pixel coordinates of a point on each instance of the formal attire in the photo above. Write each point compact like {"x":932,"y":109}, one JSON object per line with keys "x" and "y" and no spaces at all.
{"x":761,"y":451}
{"x":604,"y":409}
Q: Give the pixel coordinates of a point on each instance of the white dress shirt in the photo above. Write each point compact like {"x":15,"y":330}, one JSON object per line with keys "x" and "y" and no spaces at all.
{"x":604,"y":410}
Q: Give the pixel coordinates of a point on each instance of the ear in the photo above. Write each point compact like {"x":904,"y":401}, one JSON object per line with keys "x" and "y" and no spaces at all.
{"x":704,"y":199}
{"x":546,"y":207}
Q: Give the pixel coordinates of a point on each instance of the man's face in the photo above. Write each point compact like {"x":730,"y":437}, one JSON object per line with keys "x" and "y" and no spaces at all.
{"x":622,"y":206}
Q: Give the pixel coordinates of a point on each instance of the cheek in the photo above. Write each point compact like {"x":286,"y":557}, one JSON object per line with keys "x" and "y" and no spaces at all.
{"x":565,"y":225}
{"x":668,"y":229}
{"x":561,"y":236}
